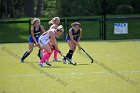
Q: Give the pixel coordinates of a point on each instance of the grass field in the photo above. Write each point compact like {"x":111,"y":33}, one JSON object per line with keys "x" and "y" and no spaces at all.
{"x":116,"y":69}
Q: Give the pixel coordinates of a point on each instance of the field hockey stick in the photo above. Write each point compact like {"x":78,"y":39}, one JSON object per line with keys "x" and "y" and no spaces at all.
{"x":70,"y":61}
{"x":88,"y":55}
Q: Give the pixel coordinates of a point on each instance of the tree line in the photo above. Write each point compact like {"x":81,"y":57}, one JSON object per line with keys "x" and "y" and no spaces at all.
{"x":49,"y":8}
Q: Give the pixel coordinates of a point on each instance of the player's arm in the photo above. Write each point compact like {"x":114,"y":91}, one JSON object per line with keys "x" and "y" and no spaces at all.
{"x":71,"y":38}
{"x":42,"y":29}
{"x":32,"y":33}
{"x":53,"y":41}
{"x":79,"y":37}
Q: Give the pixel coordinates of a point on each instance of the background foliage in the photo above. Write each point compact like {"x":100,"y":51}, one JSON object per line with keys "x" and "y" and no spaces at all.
{"x":50,"y":8}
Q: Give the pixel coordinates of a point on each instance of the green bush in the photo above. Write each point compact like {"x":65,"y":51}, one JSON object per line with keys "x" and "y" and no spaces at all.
{"x":124,"y":9}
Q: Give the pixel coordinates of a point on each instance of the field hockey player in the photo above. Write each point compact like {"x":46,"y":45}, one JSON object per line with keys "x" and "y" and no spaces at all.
{"x":73,"y":38}
{"x":36,"y":31}
{"x":46,"y":41}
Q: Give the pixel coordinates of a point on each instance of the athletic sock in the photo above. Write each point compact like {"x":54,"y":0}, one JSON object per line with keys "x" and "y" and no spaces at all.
{"x":39,"y":54}
{"x":26,"y":54}
{"x":46,"y":56}
{"x":70,"y":54}
{"x":55,"y":54}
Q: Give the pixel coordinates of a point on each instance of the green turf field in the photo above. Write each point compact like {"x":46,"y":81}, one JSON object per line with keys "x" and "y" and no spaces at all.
{"x":116,"y":69}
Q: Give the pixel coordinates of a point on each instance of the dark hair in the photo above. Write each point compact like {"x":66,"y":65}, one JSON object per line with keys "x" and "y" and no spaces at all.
{"x":76,"y":23}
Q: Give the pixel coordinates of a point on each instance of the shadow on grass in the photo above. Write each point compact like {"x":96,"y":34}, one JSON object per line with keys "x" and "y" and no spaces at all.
{"x":27,"y":62}
{"x":83,"y":64}
{"x":54,"y":66}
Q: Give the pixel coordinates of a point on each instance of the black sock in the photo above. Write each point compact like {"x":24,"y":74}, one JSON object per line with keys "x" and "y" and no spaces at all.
{"x":70,"y":54}
{"x":67,"y":56}
{"x":26,"y":54}
{"x":39,"y":54}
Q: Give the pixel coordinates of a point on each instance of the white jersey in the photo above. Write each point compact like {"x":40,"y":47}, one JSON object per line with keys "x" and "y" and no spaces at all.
{"x":45,"y":37}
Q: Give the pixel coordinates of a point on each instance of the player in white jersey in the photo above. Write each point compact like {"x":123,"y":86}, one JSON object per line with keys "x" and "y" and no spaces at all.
{"x":46,"y":40}
{"x":54,"y":22}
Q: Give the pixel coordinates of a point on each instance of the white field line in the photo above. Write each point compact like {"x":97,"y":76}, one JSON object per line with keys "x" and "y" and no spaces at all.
{"x":71,"y":73}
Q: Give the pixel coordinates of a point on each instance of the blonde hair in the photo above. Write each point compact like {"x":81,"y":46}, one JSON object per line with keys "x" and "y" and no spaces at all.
{"x":76,"y":23}
{"x":53,"y":20}
{"x":60,"y":28}
{"x":34,"y":20}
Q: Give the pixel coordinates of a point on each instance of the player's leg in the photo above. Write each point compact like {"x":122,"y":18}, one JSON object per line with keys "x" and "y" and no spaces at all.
{"x":39,"y":54}
{"x":72,"y":48}
{"x":40,"y":51}
{"x":70,"y":52}
{"x":55,"y":59}
{"x":55,"y":54}
{"x":27,"y":53}
{"x":46,"y":55}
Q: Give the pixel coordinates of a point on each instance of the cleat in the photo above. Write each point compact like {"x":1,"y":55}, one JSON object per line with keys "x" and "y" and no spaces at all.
{"x":56,"y":60}
{"x":64,"y":61}
{"x":48,"y":63}
{"x":41,"y":64}
{"x":21,"y":60}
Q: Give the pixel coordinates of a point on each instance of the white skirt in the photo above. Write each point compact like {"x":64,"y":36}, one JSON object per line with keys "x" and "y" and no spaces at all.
{"x":43,"y":42}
